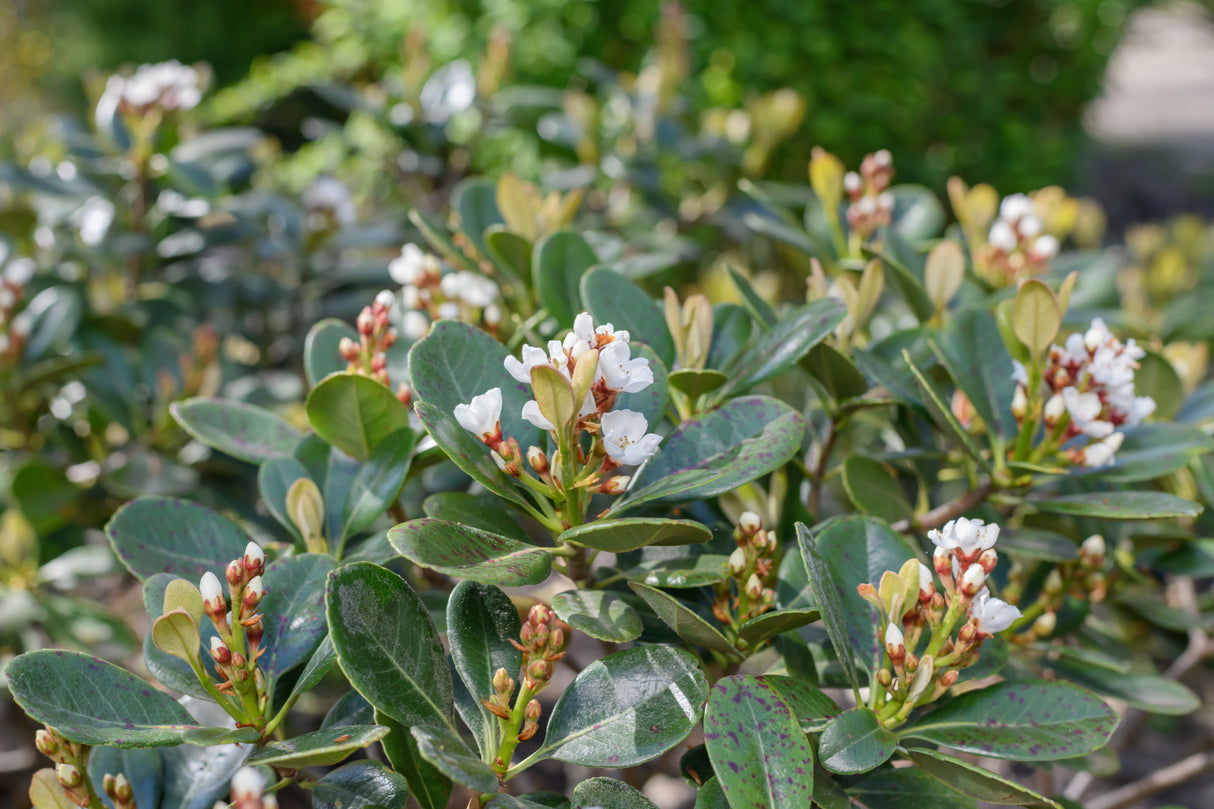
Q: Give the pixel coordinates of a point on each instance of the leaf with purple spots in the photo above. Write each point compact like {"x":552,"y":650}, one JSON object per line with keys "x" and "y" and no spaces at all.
{"x":293,"y":611}
{"x":239,"y":429}
{"x":165,"y":535}
{"x":762,"y":758}
{"x":977,"y":782}
{"x":469,"y":553}
{"x":608,"y":793}
{"x":905,"y":788}
{"x":855,"y":742}
{"x":1021,"y":721}
{"x":711,"y":795}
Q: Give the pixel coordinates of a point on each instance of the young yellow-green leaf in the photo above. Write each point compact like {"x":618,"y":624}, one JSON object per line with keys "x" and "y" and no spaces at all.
{"x":608,"y":793}
{"x":241,"y":430}
{"x":1036,"y":316}
{"x":176,"y":633}
{"x":598,"y":614}
{"x":164,"y":535}
{"x":306,"y":509}
{"x":977,"y":782}
{"x":321,"y":748}
{"x":387,"y":645}
{"x":360,"y":784}
{"x":554,"y":395}
{"x":1022,"y":721}
{"x":468,"y":553}
{"x":618,"y":536}
{"x":46,"y":792}
{"x":181,"y":594}
{"x":943,"y":273}
{"x":855,"y":742}
{"x":354,"y":413}
{"x":274,"y":480}
{"x":761,"y":757}
{"x":452,"y":758}
{"x":684,"y":621}
{"x":626,"y":708}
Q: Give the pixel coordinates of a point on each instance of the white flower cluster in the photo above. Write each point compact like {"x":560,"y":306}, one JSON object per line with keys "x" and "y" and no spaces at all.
{"x":1016,"y":242}
{"x":165,"y":85}
{"x":965,"y":554}
{"x":428,"y":294}
{"x":328,"y":204}
{"x":624,"y":432}
{"x":1090,"y":383}
{"x":872,"y":204}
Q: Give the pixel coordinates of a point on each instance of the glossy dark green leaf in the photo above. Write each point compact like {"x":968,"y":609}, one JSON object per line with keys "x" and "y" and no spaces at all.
{"x":387,"y":645}
{"x":94,"y":702}
{"x":321,"y":353}
{"x":807,"y":702}
{"x":873,"y":489}
{"x":855,"y":742}
{"x":979,"y":363}
{"x":315,"y":669}
{"x":429,"y":786}
{"x":321,"y":748}
{"x":1120,"y":505}
{"x":761,"y":757}
{"x":977,"y":782}
{"x":695,"y":382}
{"x":906,"y":788}
{"x":608,"y":793}
{"x":1034,"y":543}
{"x":378,"y":482}
{"x":752,"y":301}
{"x":711,"y":795}
{"x":598,"y":614}
{"x":557,"y":266}
{"x":670,"y":488}
{"x":942,"y":414}
{"x":612,"y":298}
{"x":1022,"y":721}
{"x":826,"y":595}
{"x":779,"y":349}
{"x":683,"y":620}
{"x":618,"y":536}
{"x":481,"y":622}
{"x":355,"y":413}
{"x":466,"y":452}
{"x":360,"y":784}
{"x":650,"y":402}
{"x":241,"y":430}
{"x":674,"y":574}
{"x":468,"y":553}
{"x":655,"y":689}
{"x":1156,"y":377}
{"x":1148,"y":692}
{"x":769,"y":624}
{"x":475,"y":200}
{"x":745,"y":438}
{"x":274,"y":479}
{"x":509,"y":250}
{"x":475,"y":511}
{"x":452,"y":757}
{"x":166,"y":535}
{"x":836,"y":371}
{"x":293,"y":611}
{"x":457,"y":361}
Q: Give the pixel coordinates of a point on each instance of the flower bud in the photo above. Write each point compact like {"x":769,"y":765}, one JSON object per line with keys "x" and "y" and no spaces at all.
{"x":239,"y":661}
{"x":220,"y":651}
{"x":616,"y":484}
{"x":750,"y":522}
{"x":254,"y":629}
{"x":68,"y":775}
{"x":737,"y":563}
{"x":557,"y":640}
{"x":949,"y":678}
{"x":247,"y":785}
{"x":212,"y":595}
{"x":540,"y":671}
{"x":503,"y":683}
{"x":972,"y":580}
{"x":1053,"y":583}
{"x":254,"y":559}
{"x":988,"y":559}
{"x":1054,"y":409}
{"x":254,"y":591}
{"x":942,"y":561}
{"x":1020,"y":403}
{"x":234,"y":573}
{"x":532,"y":711}
{"x":884,"y":678}
{"x":538,"y":615}
{"x":1092,"y":550}
{"x":754,"y":588}
{"x":365,"y":322}
{"x":46,"y":744}
{"x":1045,"y":624}
{"x":348,"y":349}
{"x":895,"y":644}
{"x":537,"y":459}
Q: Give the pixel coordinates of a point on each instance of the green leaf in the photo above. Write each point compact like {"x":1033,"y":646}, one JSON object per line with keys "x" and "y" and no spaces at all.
{"x":618,"y":536}
{"x":650,"y":402}
{"x":599,"y":614}
{"x":1151,"y":451}
{"x":1037,"y":544}
{"x":695,"y":382}
{"x":475,"y":511}
{"x":908,"y":284}
{"x":94,"y":702}
{"x":775,"y":351}
{"x":293,"y":611}
{"x":1022,"y":721}
{"x":680,"y":573}
{"x":378,"y":482}
{"x":612,"y":298}
{"x":1156,"y":377}
{"x":457,"y":361}
{"x":826,"y":595}
{"x":873,"y":489}
{"x":1148,"y":692}
{"x":466,"y":452}
{"x":711,"y":795}
{"x":453,"y":758}
{"x":509,"y":250}
{"x":46,"y":792}
{"x":918,"y":214}
{"x":769,"y":624}
{"x":979,"y":363}
{"x":557,"y":266}
{"x":905,"y":788}
{"x":274,"y":479}
{"x":745,"y":438}
{"x":751,"y":300}
{"x":1120,"y":505}
{"x":387,"y":645}
{"x":238,"y":429}
{"x":438,"y":239}
{"x":355,"y":413}
{"x":761,"y":757}
{"x":321,"y":748}
{"x":481,"y":622}
{"x":807,"y":703}
{"x":165,"y":535}
{"x":977,"y":782}
{"x":836,"y":371}
{"x":468,"y":553}
{"x":608,"y":793}
{"x":321,"y":348}
{"x":475,"y":200}
{"x":684,"y":621}
{"x":360,"y":784}
{"x":430,"y":787}
{"x":626,"y":708}
{"x":317,"y":667}
{"x":942,"y":414}
{"x":855,"y":742}
{"x":1036,"y":316}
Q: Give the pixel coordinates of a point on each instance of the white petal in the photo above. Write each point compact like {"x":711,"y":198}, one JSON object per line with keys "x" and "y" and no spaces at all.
{"x":531,"y":412}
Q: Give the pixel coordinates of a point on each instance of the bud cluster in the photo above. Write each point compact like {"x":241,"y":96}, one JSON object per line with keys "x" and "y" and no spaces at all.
{"x":428,"y":293}
{"x":751,"y":574}
{"x":912,"y":610}
{"x":872,"y":203}
{"x":1088,"y":386}
{"x":1082,"y":579}
{"x":369,"y":355}
{"x":70,"y":770}
{"x":1016,"y":246}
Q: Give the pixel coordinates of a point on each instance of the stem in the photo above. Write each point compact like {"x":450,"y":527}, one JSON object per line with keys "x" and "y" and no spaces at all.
{"x":1025,"y":442}
{"x":94,"y":798}
{"x":1170,"y":776}
{"x":946,"y":511}
{"x":509,"y":732}
{"x":942,"y":632}
{"x":815,"y":485}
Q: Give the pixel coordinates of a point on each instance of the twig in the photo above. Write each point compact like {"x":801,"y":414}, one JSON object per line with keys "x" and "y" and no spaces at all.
{"x":1170,"y":776}
{"x":815,"y":484}
{"x":946,"y":511}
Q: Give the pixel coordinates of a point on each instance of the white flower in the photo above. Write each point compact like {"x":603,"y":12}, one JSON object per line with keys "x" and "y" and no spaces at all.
{"x":925,"y":578}
{"x":1093,"y":546}
{"x":476,"y":290}
{"x":483,"y":415}
{"x":448,"y":310}
{"x":521,"y":370}
{"x":407,"y":267}
{"x":583,"y":327}
{"x":1085,"y":411}
{"x":415,"y":325}
{"x":621,"y":372}
{"x":993,"y":614}
{"x":852,"y":183}
{"x":1016,"y":207}
{"x":1029,"y":226}
{"x":247,"y":784}
{"x":625,"y":439}
{"x":1103,"y":451}
{"x":385,"y":298}
{"x":1002,"y":236}
{"x":750,"y":522}
{"x":532,"y":413}
{"x":1046,"y":246}
{"x":967,"y":536}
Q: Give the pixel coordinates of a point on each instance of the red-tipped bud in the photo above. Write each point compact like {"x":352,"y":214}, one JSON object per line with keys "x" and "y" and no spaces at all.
{"x":540,"y":671}
{"x":213,"y":601}
{"x":254,"y":591}
{"x":737,"y":563}
{"x":68,"y":775}
{"x":895,"y":644}
{"x":539,"y":615}
{"x":348,"y":349}
{"x":220,"y":651}
{"x":972,"y":580}
{"x":750,"y":523}
{"x":254,"y":630}
{"x":503,"y":683}
{"x":532,"y":711}
{"x":366,"y":322}
{"x":885,"y":678}
{"x":754,"y":588}
{"x":949,"y":678}
{"x":254,"y":559}
{"x":616,"y":484}
{"x":538,"y":460}
{"x":988,"y":559}
{"x":234,"y":573}
{"x":46,"y":743}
